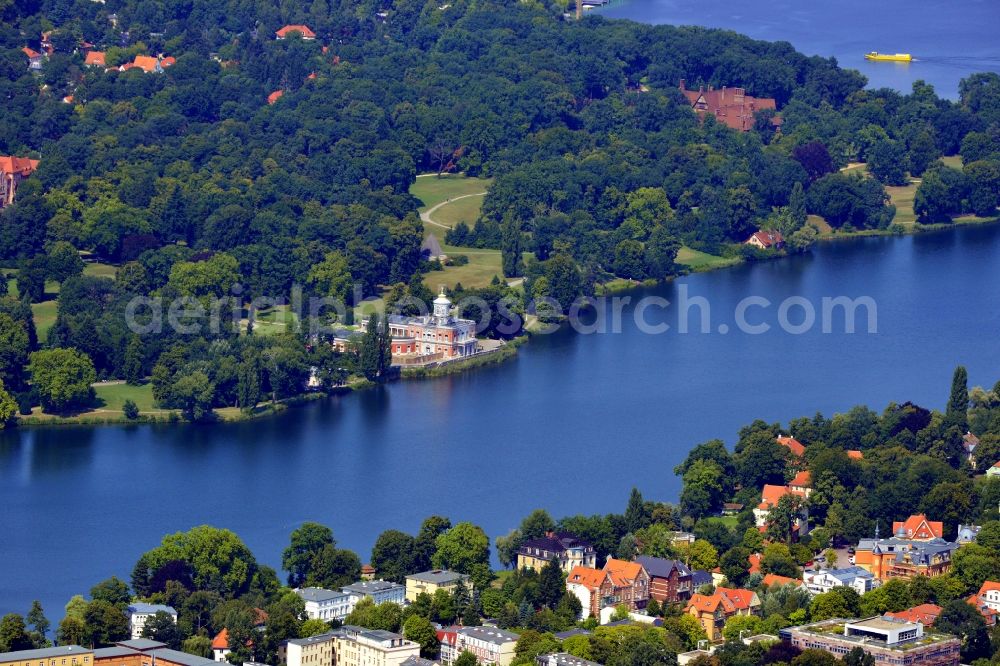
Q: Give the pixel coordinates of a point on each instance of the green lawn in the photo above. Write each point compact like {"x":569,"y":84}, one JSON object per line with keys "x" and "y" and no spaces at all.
{"x":432,"y":190}
{"x":483,"y":264}
{"x":702,"y":261}
{"x":273,"y":321}
{"x":113,"y":396}
{"x":45,"y":317}
{"x":98,"y":269}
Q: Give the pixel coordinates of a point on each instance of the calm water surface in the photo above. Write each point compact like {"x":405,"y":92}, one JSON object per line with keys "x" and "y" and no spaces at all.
{"x":950,"y":39}
{"x":571,"y":425}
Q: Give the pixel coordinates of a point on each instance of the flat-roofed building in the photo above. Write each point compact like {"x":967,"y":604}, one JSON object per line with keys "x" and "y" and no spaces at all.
{"x":351,"y":646}
{"x":139,"y":613}
{"x":892,"y":642}
{"x":64,"y":655}
{"x":146,"y":652}
{"x":563,"y":659}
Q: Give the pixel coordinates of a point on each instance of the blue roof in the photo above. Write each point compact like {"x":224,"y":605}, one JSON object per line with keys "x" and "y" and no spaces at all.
{"x":142,"y":607}
{"x":661,"y":568}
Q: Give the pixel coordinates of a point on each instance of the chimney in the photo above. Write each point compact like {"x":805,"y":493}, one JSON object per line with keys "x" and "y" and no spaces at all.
{"x":683,"y":84}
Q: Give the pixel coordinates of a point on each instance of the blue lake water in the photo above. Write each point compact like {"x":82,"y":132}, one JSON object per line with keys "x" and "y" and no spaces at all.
{"x":950,"y":39}
{"x":570,"y":425}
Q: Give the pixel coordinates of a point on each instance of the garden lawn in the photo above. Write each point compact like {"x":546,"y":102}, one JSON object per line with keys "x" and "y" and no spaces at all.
{"x":702,"y":261}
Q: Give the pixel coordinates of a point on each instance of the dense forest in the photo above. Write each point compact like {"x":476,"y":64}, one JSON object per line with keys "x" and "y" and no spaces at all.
{"x":199,"y":177}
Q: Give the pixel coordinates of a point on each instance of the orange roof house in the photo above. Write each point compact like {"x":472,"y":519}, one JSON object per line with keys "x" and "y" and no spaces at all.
{"x":801,"y":482}
{"x":988,"y":597}
{"x":730,"y":106}
{"x":770,"y":495}
{"x":302,"y":30}
{"x":765,"y":240}
{"x":167,"y":62}
{"x":855,"y":454}
{"x":13,"y":170}
{"x":713,"y":610}
{"x":775,"y":579}
{"x":275,"y":96}
{"x":95,"y":59}
{"x":35,"y":59}
{"x":147,"y":64}
{"x":593,"y":587}
{"x":632,"y":579}
{"x":793,"y":445}
{"x":918,"y":528}
{"x":925,"y":614}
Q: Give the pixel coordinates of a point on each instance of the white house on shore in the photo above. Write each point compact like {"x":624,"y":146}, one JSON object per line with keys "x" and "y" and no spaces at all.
{"x":139,"y":613}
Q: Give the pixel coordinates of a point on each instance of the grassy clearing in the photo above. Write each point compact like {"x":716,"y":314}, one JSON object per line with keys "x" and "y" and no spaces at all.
{"x":702,"y":261}
{"x":902,"y":198}
{"x":45,"y":317}
{"x":113,"y":396}
{"x":273,"y":321}
{"x":479,"y":272}
{"x":432,"y":190}
{"x":461,"y":210}
{"x":97,"y":269}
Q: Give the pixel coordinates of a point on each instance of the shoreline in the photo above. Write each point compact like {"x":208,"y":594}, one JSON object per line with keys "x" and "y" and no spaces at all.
{"x":509,"y":351}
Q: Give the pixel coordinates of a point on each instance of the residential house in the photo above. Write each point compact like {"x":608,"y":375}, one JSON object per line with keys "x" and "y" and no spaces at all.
{"x":824,"y":580}
{"x":567,"y":549}
{"x":902,"y":558}
{"x":918,"y":528}
{"x":669,"y":580}
{"x":631,"y":580}
{"x":440,"y":335}
{"x":774,"y":579}
{"x":13,"y":171}
{"x":148,"y":64}
{"x":139,"y":612}
{"x":434,"y":580}
{"x":351,"y":646}
{"x":731,"y":508}
{"x":368,"y":573}
{"x":275,"y":96}
{"x":322,"y":604}
{"x":713,"y":610}
{"x":925,"y":614}
{"x":801,"y":484}
{"x":220,"y":646}
{"x":994,"y":470}
{"x":379,"y":591}
{"x":682,"y":538}
{"x":95,"y":59}
{"x":303,"y":31}
{"x":562,"y":659}
{"x":36,"y":60}
{"x":71,"y":655}
{"x":766,"y":239}
{"x":891,"y":642}
{"x":489,"y":644}
{"x":987,"y":602}
{"x":448,"y":640}
{"x":967,"y":533}
{"x":792,"y":444}
{"x":700,"y":578}
{"x":769,"y":497}
{"x":969,"y":443}
{"x":730,"y":106}
{"x":855,"y":454}
{"x":145,"y":652}
{"x":594,"y":588}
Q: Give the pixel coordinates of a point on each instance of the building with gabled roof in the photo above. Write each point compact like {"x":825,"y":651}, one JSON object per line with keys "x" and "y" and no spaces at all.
{"x":566,"y":548}
{"x":792,"y":444}
{"x":13,"y":171}
{"x":70,"y":655}
{"x":918,"y":528}
{"x":36,"y":60}
{"x":95,"y":59}
{"x":774,"y":579}
{"x":824,"y":580}
{"x":904,"y":558}
{"x":855,"y":454}
{"x":765,"y":240}
{"x":771,"y":494}
{"x":989,"y":594}
{"x":490,"y":645}
{"x":669,"y":580}
{"x":925,"y":614}
{"x":713,"y":610}
{"x":289,"y":30}
{"x":139,"y":612}
{"x":431,"y":581}
{"x":633,"y":581}
{"x":730,"y":106}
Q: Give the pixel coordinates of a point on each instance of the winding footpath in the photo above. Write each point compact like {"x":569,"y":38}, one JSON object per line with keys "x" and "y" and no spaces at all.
{"x":426,"y":215}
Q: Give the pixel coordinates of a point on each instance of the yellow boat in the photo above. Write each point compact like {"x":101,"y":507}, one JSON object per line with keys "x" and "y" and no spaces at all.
{"x":889,"y":57}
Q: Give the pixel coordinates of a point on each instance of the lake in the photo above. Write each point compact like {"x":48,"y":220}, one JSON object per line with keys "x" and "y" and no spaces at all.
{"x":950,"y":39}
{"x":570,"y":425}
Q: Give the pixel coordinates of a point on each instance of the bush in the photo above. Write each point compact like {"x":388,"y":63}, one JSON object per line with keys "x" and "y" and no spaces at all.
{"x":130,"y":410}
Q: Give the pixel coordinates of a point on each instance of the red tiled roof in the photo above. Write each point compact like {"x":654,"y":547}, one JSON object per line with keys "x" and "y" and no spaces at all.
{"x":919,"y":527}
{"x":21,"y":165}
{"x":989,"y":586}
{"x":775,"y":579}
{"x":708,"y":603}
{"x":95,"y":58}
{"x":301,"y":29}
{"x":794,"y":445}
{"x":221,"y":640}
{"x":623,"y":573}
{"x":802,"y":480}
{"x":770,"y":495}
{"x":730,"y":106}
{"x":754,"y":561}
{"x":168,"y":61}
{"x":31,"y":53}
{"x":855,"y":454}
{"x":592,"y":579}
{"x":741,"y":599}
{"x":925,"y":614}
{"x":767,"y":239}
{"x":275,"y":96}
